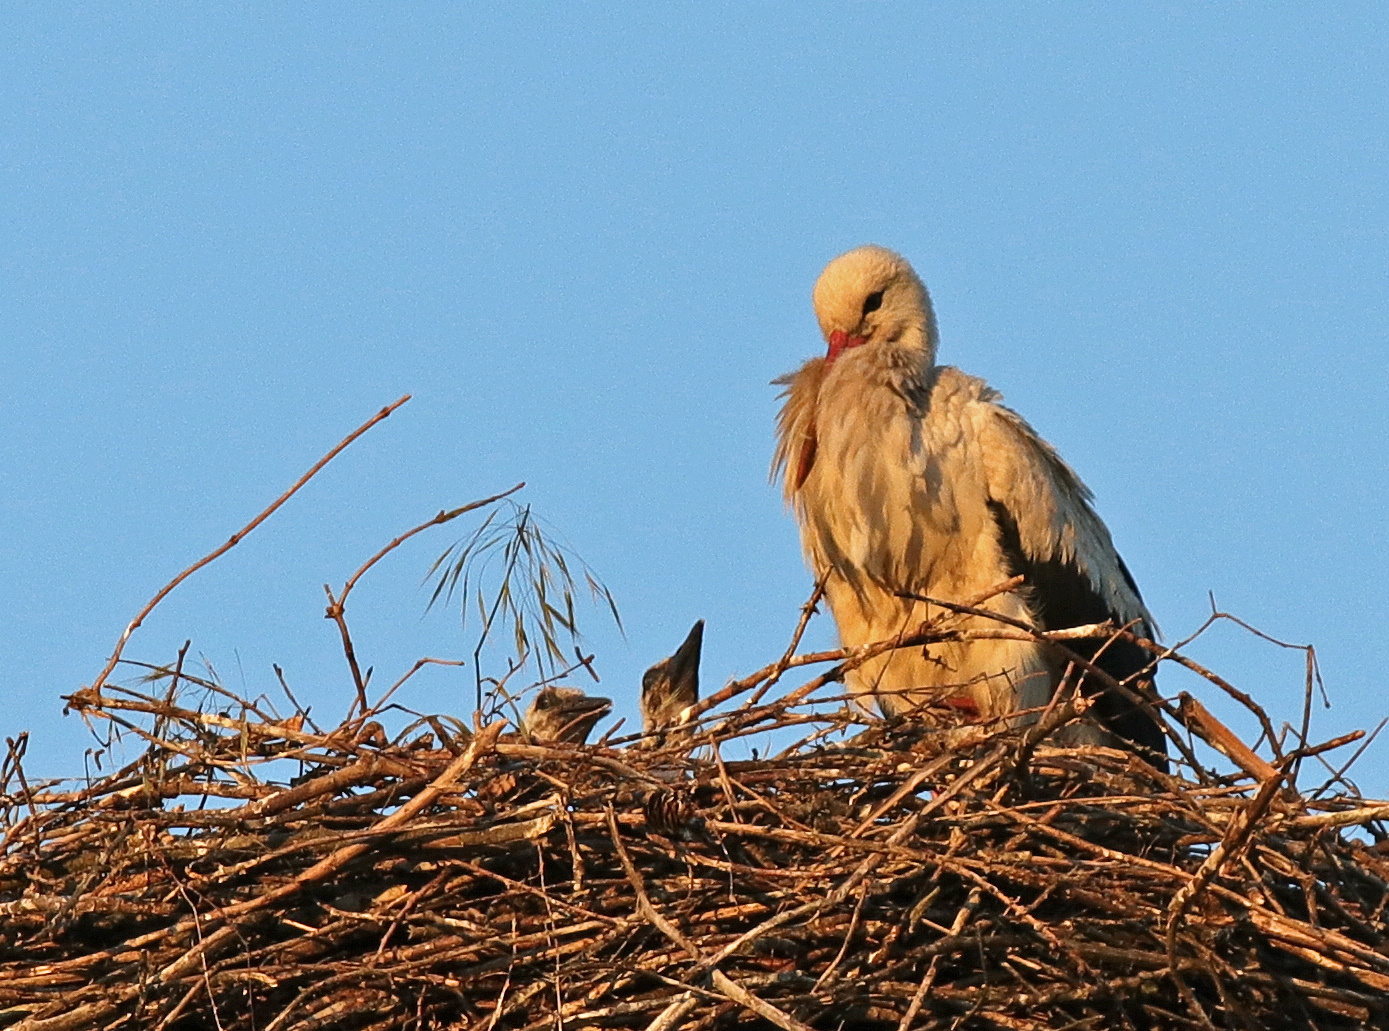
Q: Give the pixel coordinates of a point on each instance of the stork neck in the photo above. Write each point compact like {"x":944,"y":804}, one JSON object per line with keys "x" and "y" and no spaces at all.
{"x":910,"y":357}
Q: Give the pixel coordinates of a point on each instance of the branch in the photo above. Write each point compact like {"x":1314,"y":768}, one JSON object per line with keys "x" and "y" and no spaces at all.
{"x":237,"y":537}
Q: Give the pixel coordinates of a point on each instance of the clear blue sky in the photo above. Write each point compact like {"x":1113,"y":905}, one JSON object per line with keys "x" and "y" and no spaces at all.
{"x":584,"y":239}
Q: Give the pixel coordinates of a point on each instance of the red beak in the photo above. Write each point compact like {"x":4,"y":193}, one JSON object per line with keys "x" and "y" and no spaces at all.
{"x":840,"y":342}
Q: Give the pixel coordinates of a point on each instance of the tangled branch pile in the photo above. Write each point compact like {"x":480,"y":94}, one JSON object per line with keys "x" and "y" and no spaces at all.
{"x":253,"y":871}
{"x":880,"y":880}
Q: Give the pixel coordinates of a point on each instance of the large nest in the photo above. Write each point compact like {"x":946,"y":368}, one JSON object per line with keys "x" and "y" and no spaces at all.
{"x":870,"y":876}
{"x":251,"y":870}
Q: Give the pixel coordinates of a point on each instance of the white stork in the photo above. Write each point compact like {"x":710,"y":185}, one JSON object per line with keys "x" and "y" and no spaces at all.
{"x":910,"y":477}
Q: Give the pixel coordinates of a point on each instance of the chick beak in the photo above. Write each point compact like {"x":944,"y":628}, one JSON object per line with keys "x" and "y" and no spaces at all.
{"x":578,"y":715}
{"x":683,"y":670}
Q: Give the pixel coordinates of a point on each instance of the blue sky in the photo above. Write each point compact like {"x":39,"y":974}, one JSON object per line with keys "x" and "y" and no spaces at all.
{"x":584,"y":238}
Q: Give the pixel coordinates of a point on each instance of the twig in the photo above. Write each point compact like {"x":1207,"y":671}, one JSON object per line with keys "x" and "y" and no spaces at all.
{"x":807,"y":610}
{"x":337,"y":604}
{"x":236,"y":538}
{"x":1231,"y":845}
{"x":669,"y":1018}
{"x":1223,"y":739}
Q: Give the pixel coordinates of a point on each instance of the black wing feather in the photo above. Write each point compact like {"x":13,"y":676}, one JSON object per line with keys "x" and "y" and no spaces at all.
{"x":1061,"y":595}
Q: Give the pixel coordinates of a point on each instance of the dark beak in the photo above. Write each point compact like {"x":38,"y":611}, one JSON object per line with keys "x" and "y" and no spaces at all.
{"x":578,"y":715}
{"x":684,"y":665}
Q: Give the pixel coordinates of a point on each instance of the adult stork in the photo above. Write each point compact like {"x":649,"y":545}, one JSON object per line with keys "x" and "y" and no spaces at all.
{"x":909,"y":477}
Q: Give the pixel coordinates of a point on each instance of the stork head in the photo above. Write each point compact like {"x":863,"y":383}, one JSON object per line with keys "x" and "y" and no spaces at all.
{"x":872,"y":296}
{"x":563,"y":714}
{"x":672,"y":685}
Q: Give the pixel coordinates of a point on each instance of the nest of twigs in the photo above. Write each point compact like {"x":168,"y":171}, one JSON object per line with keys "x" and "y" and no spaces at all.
{"x":251,"y":870}
{"x":248,"y":872}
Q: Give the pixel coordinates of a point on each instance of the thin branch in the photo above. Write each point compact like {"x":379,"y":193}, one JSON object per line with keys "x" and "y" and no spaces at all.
{"x":237,"y":537}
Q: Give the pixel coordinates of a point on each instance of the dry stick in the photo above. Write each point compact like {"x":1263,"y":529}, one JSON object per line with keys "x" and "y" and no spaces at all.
{"x":669,"y":1018}
{"x":848,"y":938}
{"x":194,"y":990}
{"x":718,"y":978}
{"x":1231,"y":845}
{"x":807,"y":610}
{"x":1344,"y":818}
{"x":14,"y":761}
{"x":237,"y":537}
{"x":335,"y":605}
{"x":411,"y":900}
{"x":926,"y":633}
{"x":1148,"y":704}
{"x":359,"y":683}
{"x":927,"y":980}
{"x":1248,"y":702}
{"x":438,"y":520}
{"x":644,"y":906}
{"x":419,"y":665}
{"x":81,"y":1018}
{"x":962,"y":917}
{"x":1325,"y":746}
{"x":748,"y":1001}
{"x":1054,"y":638}
{"x":736,"y":687}
{"x":198,"y":954}
{"x":481,"y":744}
{"x":1313,"y":673}
{"x":158,"y":728}
{"x":850,"y":658}
{"x":299,"y":710}
{"x":1338,"y":774}
{"x":929,"y":633}
{"x":1223,"y":739}
{"x":1066,"y":703}
{"x":500,"y":1004}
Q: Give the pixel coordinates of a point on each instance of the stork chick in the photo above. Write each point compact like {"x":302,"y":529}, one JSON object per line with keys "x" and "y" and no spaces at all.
{"x":909,"y":477}
{"x":563,"y":715}
{"x":672,"y":685}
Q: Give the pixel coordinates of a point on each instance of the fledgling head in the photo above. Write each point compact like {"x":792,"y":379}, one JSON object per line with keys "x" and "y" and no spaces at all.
{"x":871,"y":296}
{"x":563,"y":714}
{"x":672,"y":685}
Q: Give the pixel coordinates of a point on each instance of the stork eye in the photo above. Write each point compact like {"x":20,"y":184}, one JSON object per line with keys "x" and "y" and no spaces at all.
{"x":873,"y":301}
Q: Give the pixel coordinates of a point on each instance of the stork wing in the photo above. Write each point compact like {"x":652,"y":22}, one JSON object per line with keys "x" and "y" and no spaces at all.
{"x":1051,"y":535}
{"x":1044,"y":514}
